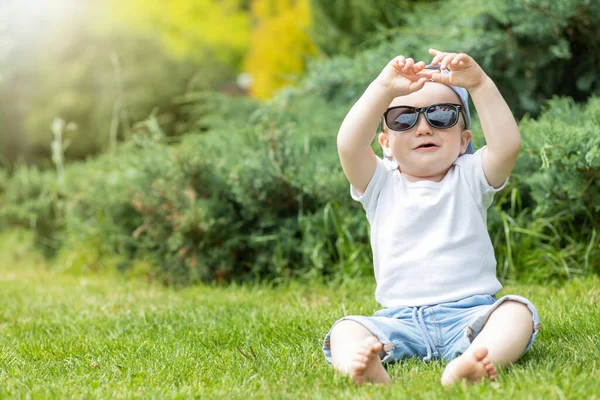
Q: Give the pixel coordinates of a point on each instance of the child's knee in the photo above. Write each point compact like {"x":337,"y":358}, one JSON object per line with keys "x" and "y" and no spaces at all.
{"x":516,"y":306}
{"x":516,"y":310}
{"x":344,"y":328}
{"x":349,"y":329}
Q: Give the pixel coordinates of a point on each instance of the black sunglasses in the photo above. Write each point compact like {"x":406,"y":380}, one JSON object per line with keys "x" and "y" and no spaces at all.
{"x":441,"y":116}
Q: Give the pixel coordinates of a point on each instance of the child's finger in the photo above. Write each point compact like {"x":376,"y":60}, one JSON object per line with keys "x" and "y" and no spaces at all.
{"x":408,"y":65}
{"x":438,"y":57}
{"x":461,"y":59}
{"x":399,"y":60}
{"x":441,"y":78}
{"x":434,"y":52}
{"x":398,"y":63}
{"x":427,"y":73}
{"x":418,"y":85}
{"x":447,"y":60}
{"x":418,"y":67}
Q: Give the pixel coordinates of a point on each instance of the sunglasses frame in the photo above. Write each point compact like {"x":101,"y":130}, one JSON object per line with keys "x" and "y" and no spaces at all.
{"x":423,"y":110}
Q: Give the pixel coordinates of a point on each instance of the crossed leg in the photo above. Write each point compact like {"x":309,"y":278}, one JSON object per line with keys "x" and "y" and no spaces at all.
{"x":356,"y":352}
{"x":501,"y":342}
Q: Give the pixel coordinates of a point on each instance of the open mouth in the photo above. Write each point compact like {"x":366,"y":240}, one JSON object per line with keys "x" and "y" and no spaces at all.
{"x":426,"y":146}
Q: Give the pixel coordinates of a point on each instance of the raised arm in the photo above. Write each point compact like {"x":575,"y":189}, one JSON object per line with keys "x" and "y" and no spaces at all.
{"x":398,"y":78}
{"x":499,"y":126}
{"x":500,"y":130}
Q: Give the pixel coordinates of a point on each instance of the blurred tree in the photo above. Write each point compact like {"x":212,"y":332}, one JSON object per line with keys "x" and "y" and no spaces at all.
{"x":11,"y":129}
{"x":341,"y":26}
{"x":280,"y":44}
{"x":548,"y":48}
{"x":197,"y":29}
{"x":103,"y":84}
{"x":82,"y":64}
{"x":18,"y":44}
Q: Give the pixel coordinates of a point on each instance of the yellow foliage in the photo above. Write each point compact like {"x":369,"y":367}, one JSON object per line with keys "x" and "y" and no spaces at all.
{"x":280,"y":44}
{"x":276,"y":46}
{"x":190,"y":28}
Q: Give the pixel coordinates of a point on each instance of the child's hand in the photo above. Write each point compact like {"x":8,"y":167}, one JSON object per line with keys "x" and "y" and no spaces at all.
{"x":464,"y":71}
{"x":402,"y":76}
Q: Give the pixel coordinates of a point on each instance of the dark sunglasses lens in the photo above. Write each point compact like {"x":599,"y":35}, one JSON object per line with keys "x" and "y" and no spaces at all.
{"x":442,"y":116}
{"x":401,"y":119}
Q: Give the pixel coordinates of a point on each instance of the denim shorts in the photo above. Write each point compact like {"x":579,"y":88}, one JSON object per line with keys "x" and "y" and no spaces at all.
{"x":442,"y":331}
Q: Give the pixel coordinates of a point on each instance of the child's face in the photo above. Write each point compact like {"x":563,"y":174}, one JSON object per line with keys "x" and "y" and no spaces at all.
{"x":432,"y":162}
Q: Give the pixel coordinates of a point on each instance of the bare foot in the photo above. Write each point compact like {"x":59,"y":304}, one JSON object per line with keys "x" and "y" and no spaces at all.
{"x":473,"y":366}
{"x":366,"y":365}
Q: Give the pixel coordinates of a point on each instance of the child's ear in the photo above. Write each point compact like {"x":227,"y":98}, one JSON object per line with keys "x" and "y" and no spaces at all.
{"x":385,"y":144}
{"x":465,"y":138}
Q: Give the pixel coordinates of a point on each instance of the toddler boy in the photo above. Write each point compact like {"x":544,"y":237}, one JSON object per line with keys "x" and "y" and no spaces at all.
{"x":426,"y":204}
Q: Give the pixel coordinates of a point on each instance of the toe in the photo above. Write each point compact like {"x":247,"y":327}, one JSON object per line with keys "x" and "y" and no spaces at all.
{"x":373,"y":344}
{"x":491,"y":370}
{"x":480,"y":353}
{"x":358,"y":367}
{"x":361,"y":359}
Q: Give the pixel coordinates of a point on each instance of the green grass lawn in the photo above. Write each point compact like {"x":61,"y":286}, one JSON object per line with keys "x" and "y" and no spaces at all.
{"x":90,"y":336}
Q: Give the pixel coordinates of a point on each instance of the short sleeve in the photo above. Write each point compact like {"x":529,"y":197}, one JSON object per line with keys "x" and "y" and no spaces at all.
{"x":471,"y":169}
{"x":369,"y":198}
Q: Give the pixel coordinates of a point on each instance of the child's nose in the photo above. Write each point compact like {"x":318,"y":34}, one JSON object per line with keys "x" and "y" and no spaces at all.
{"x":423,"y":127}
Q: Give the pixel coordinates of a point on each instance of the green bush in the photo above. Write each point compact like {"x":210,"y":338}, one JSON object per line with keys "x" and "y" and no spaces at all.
{"x":265,"y":198}
{"x":30,"y":198}
{"x":252,"y":198}
{"x":348,"y":26}
{"x":546,"y":224}
{"x":532,"y":49}
{"x":565,"y":142}
{"x":255,"y":191}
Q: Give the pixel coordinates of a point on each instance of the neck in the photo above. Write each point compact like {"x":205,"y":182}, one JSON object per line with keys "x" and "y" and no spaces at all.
{"x":417,"y":178}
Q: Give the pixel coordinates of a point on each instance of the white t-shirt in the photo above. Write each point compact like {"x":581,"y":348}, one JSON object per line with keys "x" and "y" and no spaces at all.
{"x":429,"y":239}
